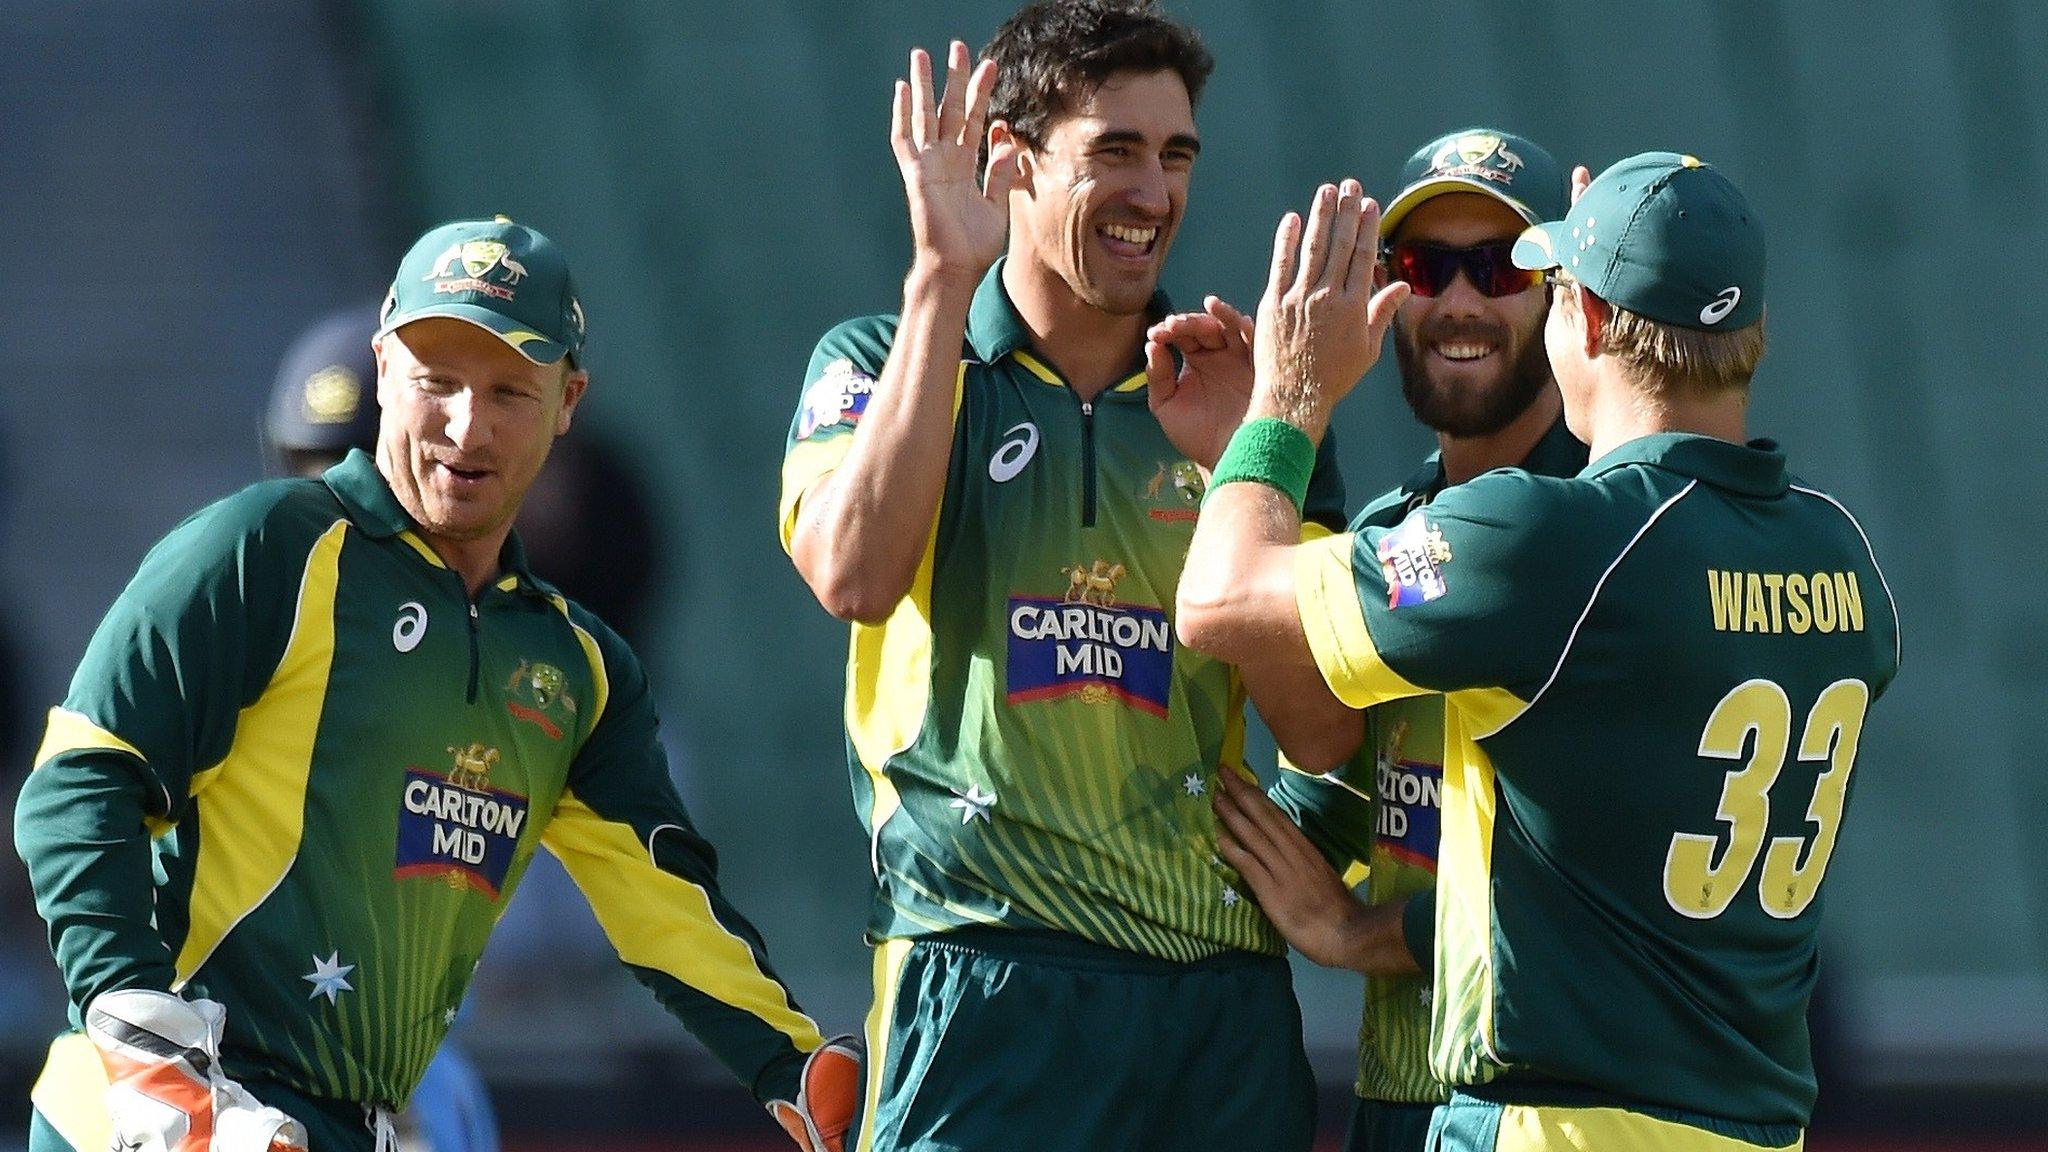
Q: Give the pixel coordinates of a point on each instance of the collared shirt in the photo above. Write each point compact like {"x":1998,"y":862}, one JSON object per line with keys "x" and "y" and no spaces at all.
{"x":1377,"y":816}
{"x":345,"y":764}
{"x":1030,"y":747}
{"x":1656,"y":674}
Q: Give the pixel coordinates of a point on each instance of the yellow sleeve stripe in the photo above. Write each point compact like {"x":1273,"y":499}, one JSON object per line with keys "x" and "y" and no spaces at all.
{"x":252,"y":809}
{"x":1326,"y":596}
{"x":70,"y":1094}
{"x":658,"y":920}
{"x":805,"y":465}
{"x":1312,"y":531}
{"x":601,"y":681}
{"x":70,"y":731}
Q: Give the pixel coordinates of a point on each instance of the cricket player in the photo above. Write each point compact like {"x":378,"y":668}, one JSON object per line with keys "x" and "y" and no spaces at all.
{"x":315,"y":743}
{"x":1656,"y":672}
{"x":1469,"y":341}
{"x":986,"y":486}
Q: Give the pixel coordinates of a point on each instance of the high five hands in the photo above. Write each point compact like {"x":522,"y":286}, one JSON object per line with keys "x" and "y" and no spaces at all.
{"x":959,"y":214}
{"x":1323,"y":318}
{"x":1320,"y":328}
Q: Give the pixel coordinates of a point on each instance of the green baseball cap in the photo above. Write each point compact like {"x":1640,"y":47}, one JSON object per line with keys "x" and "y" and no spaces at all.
{"x":1664,"y":236}
{"x":503,"y":277}
{"x":1512,"y":169}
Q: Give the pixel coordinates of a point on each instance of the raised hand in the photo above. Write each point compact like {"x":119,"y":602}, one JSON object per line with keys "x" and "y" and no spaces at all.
{"x":959,"y":218}
{"x":1321,"y":325}
{"x":1203,"y":400}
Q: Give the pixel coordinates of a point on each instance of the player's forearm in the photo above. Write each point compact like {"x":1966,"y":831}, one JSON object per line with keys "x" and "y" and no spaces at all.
{"x":1236,"y":595}
{"x":79,"y":828}
{"x":1315,"y":730}
{"x":864,"y":528}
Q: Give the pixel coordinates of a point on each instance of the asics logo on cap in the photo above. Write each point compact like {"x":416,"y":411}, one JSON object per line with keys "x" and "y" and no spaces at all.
{"x":1724,"y":302}
{"x":1014,"y":453}
{"x":411,"y":626}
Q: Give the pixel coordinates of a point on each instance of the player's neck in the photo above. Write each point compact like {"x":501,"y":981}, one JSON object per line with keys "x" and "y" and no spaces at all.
{"x":1092,"y":350}
{"x":475,"y":561}
{"x":1464,"y":457}
{"x":1624,"y":410}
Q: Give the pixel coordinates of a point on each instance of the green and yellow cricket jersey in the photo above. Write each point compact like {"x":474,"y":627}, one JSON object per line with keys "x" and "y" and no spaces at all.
{"x":344,"y":766}
{"x":1656,"y":675}
{"x":1030,"y":746}
{"x":1377,"y":817}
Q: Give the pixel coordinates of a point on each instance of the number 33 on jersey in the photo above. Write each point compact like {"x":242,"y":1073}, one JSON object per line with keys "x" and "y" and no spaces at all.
{"x":1657,"y":675}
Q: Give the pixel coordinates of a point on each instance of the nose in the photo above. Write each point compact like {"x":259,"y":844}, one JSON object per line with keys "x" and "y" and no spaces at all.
{"x":1461,"y":297}
{"x":1152,"y":191}
{"x":467,"y":426}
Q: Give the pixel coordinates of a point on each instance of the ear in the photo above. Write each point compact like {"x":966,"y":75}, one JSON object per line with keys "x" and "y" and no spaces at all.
{"x":1593,"y":316}
{"x":1005,"y":145}
{"x":573,"y":386}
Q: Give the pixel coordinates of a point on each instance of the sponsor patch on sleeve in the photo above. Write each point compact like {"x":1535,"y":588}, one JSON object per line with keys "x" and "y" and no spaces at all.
{"x":838,"y":396}
{"x":1413,"y":556}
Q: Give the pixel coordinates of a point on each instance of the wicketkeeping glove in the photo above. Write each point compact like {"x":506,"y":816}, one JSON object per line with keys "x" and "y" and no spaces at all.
{"x":827,"y":1098}
{"x":165,"y":1089}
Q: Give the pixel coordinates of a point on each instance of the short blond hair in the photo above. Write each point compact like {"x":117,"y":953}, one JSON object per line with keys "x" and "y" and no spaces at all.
{"x":1687,"y":359}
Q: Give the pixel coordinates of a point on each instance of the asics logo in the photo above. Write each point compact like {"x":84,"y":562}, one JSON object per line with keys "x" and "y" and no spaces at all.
{"x":1724,"y":303}
{"x":1014,"y":453}
{"x":411,"y":626}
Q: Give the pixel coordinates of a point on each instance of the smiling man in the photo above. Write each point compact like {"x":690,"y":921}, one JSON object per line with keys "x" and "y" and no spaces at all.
{"x":986,"y":486}
{"x":315,"y":743}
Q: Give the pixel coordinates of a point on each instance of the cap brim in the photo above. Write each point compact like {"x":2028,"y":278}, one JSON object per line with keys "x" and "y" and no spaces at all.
{"x":523,"y":340}
{"x":1536,"y":247}
{"x":1415,"y":194}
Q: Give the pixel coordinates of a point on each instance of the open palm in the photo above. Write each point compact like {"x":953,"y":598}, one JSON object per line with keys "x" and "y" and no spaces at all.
{"x":959,"y":220}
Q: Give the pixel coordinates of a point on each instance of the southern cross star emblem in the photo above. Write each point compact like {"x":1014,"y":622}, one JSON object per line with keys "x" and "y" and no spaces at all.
{"x":329,"y":977}
{"x":1230,"y":897}
{"x":1193,"y":784}
{"x":973,"y":804}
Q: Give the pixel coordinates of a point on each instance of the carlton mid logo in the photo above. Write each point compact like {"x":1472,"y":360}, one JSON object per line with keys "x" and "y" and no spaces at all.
{"x":457,"y":826}
{"x":1084,"y":643}
{"x":479,"y":258}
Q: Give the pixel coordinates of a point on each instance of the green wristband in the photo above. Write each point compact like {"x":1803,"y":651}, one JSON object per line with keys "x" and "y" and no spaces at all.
{"x":1270,"y":452}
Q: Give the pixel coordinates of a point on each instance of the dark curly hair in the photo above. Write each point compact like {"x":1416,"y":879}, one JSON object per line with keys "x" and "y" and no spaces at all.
{"x":1053,"y":54}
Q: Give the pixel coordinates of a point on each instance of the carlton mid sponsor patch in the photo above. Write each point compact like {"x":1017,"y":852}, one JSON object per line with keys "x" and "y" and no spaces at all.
{"x":457,"y":826}
{"x":1409,"y":813}
{"x":1413,"y":556}
{"x":1083,"y":643}
{"x":838,"y":396}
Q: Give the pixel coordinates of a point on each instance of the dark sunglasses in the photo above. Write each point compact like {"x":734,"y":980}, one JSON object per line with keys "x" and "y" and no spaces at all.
{"x":1430,"y":268}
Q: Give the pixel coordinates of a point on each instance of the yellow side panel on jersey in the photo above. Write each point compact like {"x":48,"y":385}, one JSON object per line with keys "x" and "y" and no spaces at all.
{"x":803,"y":466}
{"x":70,"y":731}
{"x":1462,"y":1013}
{"x":255,"y":798}
{"x":889,"y":958}
{"x":656,"y":919}
{"x":889,"y":671}
{"x":71,"y":1094}
{"x":1326,"y":596}
{"x":601,"y":681}
{"x":1529,"y":1129}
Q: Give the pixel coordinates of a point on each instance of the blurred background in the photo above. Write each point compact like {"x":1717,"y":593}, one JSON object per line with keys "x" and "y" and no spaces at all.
{"x":185,"y":186}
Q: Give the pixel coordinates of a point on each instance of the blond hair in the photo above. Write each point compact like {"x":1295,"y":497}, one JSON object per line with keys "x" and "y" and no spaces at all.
{"x":1684,"y":359}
